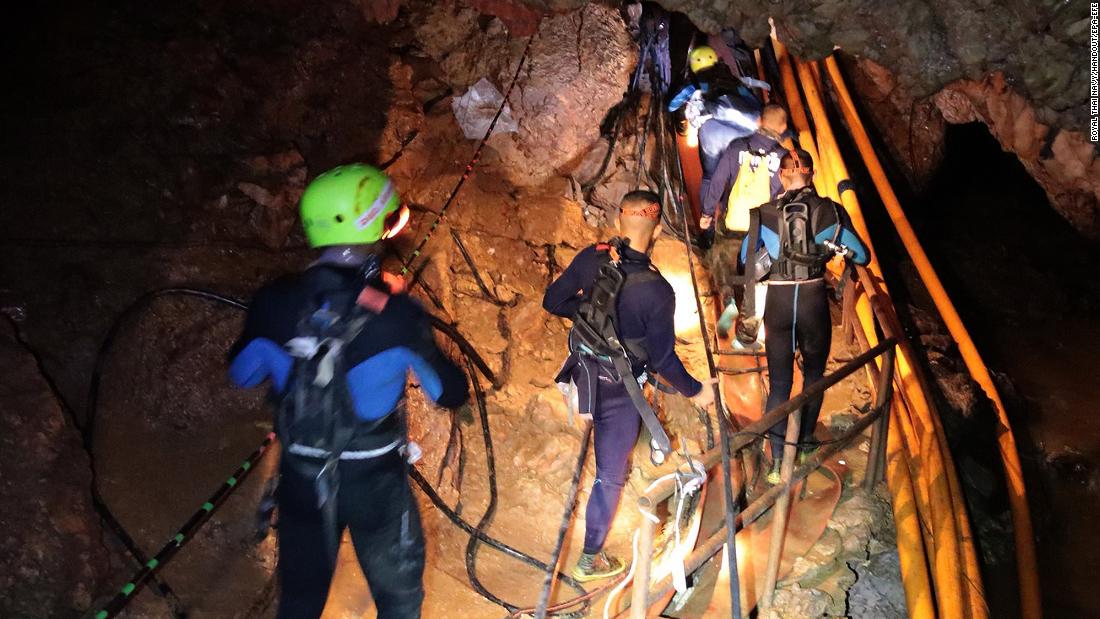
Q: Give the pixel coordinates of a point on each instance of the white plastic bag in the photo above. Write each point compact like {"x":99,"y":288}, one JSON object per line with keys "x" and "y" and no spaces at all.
{"x":475,"y":110}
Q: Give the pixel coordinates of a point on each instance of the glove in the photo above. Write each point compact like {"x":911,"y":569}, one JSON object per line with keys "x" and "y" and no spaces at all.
{"x":695,"y":111}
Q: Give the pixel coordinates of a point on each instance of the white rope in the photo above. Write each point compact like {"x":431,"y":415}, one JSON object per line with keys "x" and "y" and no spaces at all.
{"x":614,"y":595}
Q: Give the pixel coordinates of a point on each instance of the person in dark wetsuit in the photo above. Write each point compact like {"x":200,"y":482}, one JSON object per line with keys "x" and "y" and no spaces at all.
{"x":347,"y":211}
{"x":645,"y":311}
{"x":796,"y":312}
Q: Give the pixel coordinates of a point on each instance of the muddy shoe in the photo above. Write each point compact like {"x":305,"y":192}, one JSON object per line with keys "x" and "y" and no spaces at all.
{"x":774,"y":477}
{"x":805,"y":454}
{"x":597,"y":566}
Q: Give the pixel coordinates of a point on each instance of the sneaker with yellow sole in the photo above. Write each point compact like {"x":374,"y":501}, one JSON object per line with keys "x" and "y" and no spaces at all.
{"x":597,"y":566}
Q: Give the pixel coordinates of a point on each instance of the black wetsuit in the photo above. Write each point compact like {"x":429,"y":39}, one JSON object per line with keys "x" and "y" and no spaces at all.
{"x":796,"y":313}
{"x":646,"y":313}
{"x":374,"y":501}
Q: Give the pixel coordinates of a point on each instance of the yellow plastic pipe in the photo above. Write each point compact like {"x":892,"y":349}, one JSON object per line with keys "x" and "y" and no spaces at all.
{"x":932,"y":452}
{"x":1030,"y":600}
{"x":948,"y":555}
{"x":911,"y":541}
{"x":797,"y":113}
{"x":914,"y":566}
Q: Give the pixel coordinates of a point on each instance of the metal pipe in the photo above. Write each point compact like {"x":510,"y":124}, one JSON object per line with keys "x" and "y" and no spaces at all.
{"x":724,"y":420}
{"x":876,"y":455}
{"x":663,"y":489}
{"x":782,"y":509}
{"x":567,"y":517}
{"x":709,"y":547}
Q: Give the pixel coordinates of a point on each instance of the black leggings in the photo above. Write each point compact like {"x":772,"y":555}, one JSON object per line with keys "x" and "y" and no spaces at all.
{"x":376,"y":504}
{"x":796,"y":314}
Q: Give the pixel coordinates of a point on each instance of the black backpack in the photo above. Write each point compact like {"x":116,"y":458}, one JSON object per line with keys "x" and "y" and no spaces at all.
{"x":595,"y":326}
{"x":595,"y":331}
{"x":316,"y":414}
{"x":800,"y":257}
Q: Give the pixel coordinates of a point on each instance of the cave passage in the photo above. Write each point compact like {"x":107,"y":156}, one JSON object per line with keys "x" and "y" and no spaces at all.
{"x":1025,"y":282}
{"x":156,"y":146}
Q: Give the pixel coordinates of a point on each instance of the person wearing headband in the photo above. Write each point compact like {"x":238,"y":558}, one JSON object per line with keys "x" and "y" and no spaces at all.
{"x":644,"y":308}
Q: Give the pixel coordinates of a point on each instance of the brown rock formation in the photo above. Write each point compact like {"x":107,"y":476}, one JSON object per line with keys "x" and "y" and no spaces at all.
{"x":52,"y":559}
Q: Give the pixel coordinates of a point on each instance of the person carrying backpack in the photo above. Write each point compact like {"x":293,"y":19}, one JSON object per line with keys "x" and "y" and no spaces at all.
{"x":789,"y":242}
{"x":746,"y":174}
{"x":336,"y":342}
{"x":719,"y":105}
{"x":623,"y":311}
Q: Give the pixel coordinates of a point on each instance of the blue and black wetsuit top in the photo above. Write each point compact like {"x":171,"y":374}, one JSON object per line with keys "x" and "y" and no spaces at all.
{"x":646,"y":311}
{"x":826,"y":216}
{"x":398,"y":338}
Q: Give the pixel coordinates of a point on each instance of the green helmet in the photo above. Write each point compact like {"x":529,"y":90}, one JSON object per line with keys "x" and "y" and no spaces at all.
{"x":351,"y":204}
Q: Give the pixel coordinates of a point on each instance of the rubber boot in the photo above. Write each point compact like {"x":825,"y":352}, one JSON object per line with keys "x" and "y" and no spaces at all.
{"x":725,"y":321}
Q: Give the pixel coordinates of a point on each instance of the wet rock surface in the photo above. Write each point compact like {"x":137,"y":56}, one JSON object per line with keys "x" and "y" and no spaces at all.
{"x":222,"y":127}
{"x":53,"y":558}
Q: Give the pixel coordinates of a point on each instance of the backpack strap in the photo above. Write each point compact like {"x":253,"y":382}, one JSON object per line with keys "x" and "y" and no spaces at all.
{"x":751,"y":275}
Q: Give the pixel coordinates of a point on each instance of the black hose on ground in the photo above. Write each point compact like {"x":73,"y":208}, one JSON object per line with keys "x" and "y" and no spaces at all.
{"x":566,"y":519}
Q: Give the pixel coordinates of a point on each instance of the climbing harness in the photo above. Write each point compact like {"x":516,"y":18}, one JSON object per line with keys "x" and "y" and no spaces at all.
{"x":594,"y":341}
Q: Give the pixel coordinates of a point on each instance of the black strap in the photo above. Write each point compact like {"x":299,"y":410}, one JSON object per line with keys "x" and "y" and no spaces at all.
{"x":649,"y":417}
{"x":751,"y":276}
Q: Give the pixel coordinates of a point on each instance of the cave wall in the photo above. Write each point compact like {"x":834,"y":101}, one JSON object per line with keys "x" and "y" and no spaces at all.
{"x":53,"y":558}
{"x":185,"y":137}
{"x":1020,"y":67}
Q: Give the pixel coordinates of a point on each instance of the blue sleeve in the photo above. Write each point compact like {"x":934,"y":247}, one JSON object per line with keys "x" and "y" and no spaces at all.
{"x":848,"y":237}
{"x":725,"y":175}
{"x":767,"y":239}
{"x":681,"y":97}
{"x":259,"y":360}
{"x":442,"y":380}
{"x":564,"y":295}
{"x":660,"y":337}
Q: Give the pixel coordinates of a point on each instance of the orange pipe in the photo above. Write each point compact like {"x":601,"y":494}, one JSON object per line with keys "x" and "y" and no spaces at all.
{"x":797,"y":112}
{"x":911,"y":541}
{"x":764,"y":94}
{"x":947,"y":555}
{"x":1030,"y":599}
{"x":914,"y":566}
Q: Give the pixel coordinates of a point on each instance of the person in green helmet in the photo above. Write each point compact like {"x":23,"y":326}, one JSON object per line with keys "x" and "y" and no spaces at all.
{"x":336,"y":343}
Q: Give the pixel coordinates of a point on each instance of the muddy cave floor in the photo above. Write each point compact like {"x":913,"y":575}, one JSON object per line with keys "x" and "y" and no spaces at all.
{"x":152,"y":478}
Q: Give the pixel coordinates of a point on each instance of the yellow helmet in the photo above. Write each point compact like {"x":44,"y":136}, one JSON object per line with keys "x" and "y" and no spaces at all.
{"x":702,"y":57}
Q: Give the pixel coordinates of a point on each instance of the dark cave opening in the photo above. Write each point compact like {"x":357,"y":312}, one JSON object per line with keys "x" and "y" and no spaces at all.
{"x":1023,"y":280}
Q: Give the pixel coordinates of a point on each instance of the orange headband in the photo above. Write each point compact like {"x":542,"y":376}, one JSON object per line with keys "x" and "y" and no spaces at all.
{"x":798,"y":167}
{"x":649,"y":211}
